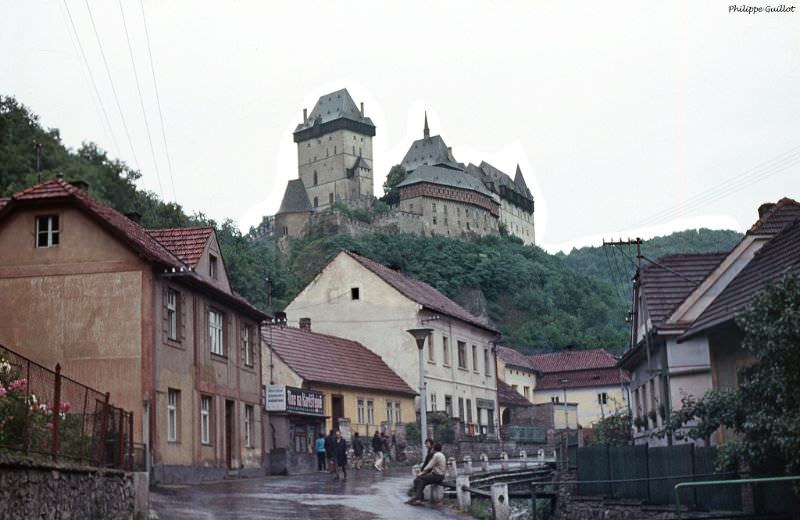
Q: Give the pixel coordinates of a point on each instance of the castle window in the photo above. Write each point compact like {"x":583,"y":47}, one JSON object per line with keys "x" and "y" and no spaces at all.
{"x":334,"y":149}
{"x":434,"y":221}
{"x":330,"y":198}
{"x":327,"y":152}
{"x":354,"y":149}
{"x":316,"y":202}
{"x":359,"y":151}
{"x":355,"y":293}
{"x":433,"y":205}
{"x":315,"y":178}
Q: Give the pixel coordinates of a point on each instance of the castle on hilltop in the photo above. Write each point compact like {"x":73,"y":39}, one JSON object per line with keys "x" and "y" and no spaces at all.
{"x":438,"y":197}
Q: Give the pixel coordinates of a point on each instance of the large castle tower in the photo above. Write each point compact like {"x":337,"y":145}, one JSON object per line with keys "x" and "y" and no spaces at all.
{"x":334,"y":152}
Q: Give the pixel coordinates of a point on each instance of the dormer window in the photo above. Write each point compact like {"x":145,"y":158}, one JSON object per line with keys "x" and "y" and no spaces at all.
{"x":47,"y":231}
{"x":212,"y":266}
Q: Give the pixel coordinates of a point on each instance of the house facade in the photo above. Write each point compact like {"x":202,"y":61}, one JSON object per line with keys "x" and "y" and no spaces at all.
{"x":356,"y":298}
{"x":589,"y":379}
{"x":357,"y":391}
{"x":147,"y":315}
{"x":669,"y":297}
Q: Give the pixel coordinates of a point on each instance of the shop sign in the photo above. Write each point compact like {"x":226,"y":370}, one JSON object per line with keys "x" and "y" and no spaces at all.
{"x":276,"y":398}
{"x":282,"y":398}
{"x":307,"y":402}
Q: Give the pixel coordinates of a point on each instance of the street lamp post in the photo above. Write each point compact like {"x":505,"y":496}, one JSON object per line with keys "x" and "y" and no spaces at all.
{"x":419,"y":336}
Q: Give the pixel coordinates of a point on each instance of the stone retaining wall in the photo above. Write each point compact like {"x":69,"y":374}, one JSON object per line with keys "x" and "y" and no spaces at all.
{"x":33,"y":489}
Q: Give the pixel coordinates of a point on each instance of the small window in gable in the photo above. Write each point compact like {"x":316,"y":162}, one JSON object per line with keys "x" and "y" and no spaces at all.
{"x":47,"y":231}
{"x":355,"y":293}
{"x":212,"y":266}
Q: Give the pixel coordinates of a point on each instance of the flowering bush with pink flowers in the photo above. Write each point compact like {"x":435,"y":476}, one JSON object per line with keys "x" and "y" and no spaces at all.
{"x":27,"y":423}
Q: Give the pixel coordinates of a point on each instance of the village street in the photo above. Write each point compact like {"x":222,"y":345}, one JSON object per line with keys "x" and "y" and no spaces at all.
{"x":365,"y":495}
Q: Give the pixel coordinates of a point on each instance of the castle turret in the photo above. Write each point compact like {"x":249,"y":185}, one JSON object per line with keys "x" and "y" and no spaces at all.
{"x":334,"y":152}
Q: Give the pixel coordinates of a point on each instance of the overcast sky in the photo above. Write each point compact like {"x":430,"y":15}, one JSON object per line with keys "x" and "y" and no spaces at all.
{"x":632,"y":119}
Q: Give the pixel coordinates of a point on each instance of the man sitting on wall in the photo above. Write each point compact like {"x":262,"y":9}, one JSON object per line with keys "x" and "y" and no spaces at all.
{"x":432,"y":473}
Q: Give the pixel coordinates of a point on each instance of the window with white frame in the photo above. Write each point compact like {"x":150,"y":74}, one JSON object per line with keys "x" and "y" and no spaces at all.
{"x":215,"y":331}
{"x":474,"y":358}
{"x":431,"y":355}
{"x":602,"y":398}
{"x":445,"y":351}
{"x":247,"y":347}
{"x":249,"y":420}
{"x":205,"y":419}
{"x":173,"y":400}
{"x":433,"y":402}
{"x":370,"y":412}
{"x":47,"y":231}
{"x":172,"y":314}
{"x":389,"y":412}
{"x":398,"y":416}
{"x":487,"y":367}
{"x":360,"y":411}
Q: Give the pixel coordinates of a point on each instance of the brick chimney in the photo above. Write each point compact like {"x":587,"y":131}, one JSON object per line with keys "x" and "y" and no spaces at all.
{"x":305,"y":115}
{"x":305,"y":324}
{"x":362,"y":109}
{"x":765,"y":208}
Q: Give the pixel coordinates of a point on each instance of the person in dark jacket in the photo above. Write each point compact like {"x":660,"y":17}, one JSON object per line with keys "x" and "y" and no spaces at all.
{"x":358,"y":451}
{"x":377,"y":450}
{"x":429,"y":447}
{"x":329,"y":452}
{"x":340,"y":455}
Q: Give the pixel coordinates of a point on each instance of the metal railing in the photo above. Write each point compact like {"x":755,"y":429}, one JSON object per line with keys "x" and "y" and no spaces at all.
{"x":44,"y":413}
{"x":734,"y":482}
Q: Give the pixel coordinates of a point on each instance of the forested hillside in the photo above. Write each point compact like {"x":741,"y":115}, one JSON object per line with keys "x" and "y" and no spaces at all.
{"x":616,"y":265}
{"x":539,"y":301}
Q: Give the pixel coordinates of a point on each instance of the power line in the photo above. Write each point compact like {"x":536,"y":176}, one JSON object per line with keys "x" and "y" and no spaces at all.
{"x":141,"y":98}
{"x":91,"y":77}
{"x":113,"y":88}
{"x":759,"y":172}
{"x":158,"y":103}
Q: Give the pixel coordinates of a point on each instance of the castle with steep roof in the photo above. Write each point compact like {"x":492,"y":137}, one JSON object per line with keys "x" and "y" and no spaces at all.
{"x":438,"y":197}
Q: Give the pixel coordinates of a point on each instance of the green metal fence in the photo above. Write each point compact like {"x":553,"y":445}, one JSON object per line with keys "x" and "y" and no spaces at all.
{"x":650,"y":474}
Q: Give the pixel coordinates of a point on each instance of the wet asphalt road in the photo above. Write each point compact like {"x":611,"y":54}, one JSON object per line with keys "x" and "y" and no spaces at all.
{"x":366,"y":495}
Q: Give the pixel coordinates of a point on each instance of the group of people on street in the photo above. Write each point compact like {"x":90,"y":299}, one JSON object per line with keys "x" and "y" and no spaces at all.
{"x":332,"y":452}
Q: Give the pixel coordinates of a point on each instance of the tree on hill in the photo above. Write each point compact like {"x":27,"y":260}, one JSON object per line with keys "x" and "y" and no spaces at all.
{"x":391,"y":195}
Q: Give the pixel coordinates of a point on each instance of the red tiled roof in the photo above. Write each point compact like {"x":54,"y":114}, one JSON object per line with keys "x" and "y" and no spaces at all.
{"x":572,"y":360}
{"x":420,"y":292}
{"x":506,"y":396}
{"x":583,"y":378}
{"x":778,"y":256}
{"x":126,"y":229}
{"x":666,"y":284}
{"x":187,"y":244}
{"x":332,"y":360}
{"x":514,"y":357}
{"x":773,"y":217}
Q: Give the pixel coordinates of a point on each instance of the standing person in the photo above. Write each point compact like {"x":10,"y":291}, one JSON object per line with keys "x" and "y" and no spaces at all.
{"x":340,"y":455}
{"x":329,"y":452}
{"x":358,"y":451}
{"x":319,"y":448}
{"x":432,"y":473}
{"x":377,"y":450}
{"x":429,"y":452}
{"x":387,"y":450}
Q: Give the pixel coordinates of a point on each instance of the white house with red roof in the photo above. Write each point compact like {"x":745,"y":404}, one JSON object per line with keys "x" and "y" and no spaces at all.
{"x":589,"y":379}
{"x":357,"y":298}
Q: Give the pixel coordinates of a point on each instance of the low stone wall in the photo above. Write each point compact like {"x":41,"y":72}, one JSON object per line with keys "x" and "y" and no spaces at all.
{"x":33,"y":489}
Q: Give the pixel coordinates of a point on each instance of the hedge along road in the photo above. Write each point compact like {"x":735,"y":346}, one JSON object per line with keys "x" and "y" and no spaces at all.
{"x":365,"y":495}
